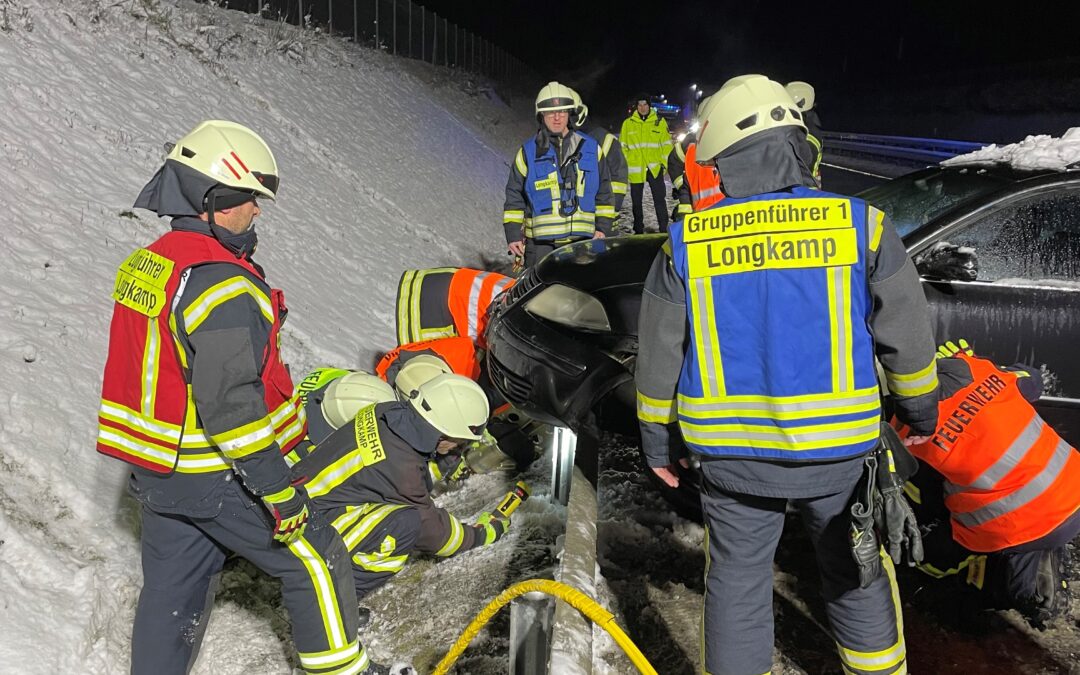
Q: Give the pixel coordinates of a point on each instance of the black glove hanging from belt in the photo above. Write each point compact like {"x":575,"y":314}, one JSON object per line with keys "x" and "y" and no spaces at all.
{"x":879,"y":501}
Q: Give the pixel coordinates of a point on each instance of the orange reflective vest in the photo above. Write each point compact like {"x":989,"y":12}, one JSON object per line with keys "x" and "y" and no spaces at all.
{"x":458,"y":352}
{"x":147,"y":415}
{"x":1009,"y":478}
{"x":471,"y":293}
{"x":704,"y":181}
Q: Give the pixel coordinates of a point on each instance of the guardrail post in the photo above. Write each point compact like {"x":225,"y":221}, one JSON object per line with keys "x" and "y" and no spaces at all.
{"x":563,"y":448}
{"x":530,"y":633}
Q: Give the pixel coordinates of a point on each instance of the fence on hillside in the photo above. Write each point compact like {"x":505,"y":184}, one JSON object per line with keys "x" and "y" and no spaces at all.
{"x":399,"y":27}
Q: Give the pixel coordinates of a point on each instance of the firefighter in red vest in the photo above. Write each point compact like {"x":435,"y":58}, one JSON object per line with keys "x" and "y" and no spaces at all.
{"x":195,"y":398}
{"x":1002,"y":486}
{"x":446,"y":302}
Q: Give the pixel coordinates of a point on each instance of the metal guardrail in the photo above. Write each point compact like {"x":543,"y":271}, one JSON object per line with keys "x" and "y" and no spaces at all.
{"x":919,"y":151}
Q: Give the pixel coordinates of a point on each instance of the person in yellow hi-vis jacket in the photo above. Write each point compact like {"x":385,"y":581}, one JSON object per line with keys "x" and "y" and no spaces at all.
{"x":760,"y":322}
{"x":196,"y":399}
{"x":559,"y":188}
{"x":646,"y":142}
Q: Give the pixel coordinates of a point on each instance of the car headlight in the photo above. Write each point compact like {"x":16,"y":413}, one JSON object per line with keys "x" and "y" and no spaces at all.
{"x":569,"y":307}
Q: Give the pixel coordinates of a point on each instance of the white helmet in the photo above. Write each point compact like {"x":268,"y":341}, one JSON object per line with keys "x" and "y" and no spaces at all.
{"x":418,"y":370}
{"x":230,"y":154}
{"x":802,"y":93}
{"x":581,"y":111}
{"x":347,"y":395}
{"x":453,"y":404}
{"x":744,"y":106}
{"x":554,"y":96}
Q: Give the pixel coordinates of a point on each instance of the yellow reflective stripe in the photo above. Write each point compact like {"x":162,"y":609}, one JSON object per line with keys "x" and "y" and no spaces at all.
{"x":914,"y":384}
{"x":207,"y":462}
{"x":136,"y":446}
{"x":605,"y":211}
{"x":220,"y":293}
{"x":378,"y":562}
{"x":707,"y":339}
{"x":678,"y":182}
{"x":679,"y":152}
{"x":608,"y":140}
{"x":454,"y":541}
{"x":584,"y":216}
{"x":355,"y":525}
{"x":403,"y":305}
{"x":196,"y":439}
{"x":661,"y":411}
{"x":435,"y":333}
{"x":246,"y":439}
{"x":877,"y":226}
{"x":335,"y":474}
{"x":125,"y":416}
{"x":322,"y":582}
{"x":618,"y":187}
{"x":149,"y":376}
{"x":635,"y":169}
{"x":684,"y":209}
{"x":351,"y":656}
{"x":285,"y":411}
{"x":519,"y":162}
{"x":806,"y":437}
{"x":781,"y":407}
{"x":513,"y":216}
{"x":839,"y":291}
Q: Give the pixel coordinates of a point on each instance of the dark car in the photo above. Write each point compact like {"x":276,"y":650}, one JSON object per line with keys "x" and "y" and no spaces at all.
{"x":998,"y":251}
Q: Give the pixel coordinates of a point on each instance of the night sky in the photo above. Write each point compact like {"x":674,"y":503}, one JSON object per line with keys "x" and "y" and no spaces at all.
{"x":847,"y":50}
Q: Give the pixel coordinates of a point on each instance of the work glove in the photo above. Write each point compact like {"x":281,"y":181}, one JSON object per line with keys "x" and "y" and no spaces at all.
{"x":893,"y":514}
{"x":492,"y":527}
{"x":951,"y":348}
{"x":290,"y":511}
{"x":865,"y":547}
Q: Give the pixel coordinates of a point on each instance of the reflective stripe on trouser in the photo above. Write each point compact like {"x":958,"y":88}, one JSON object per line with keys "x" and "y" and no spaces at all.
{"x":737,"y":627}
{"x":379,"y":538}
{"x":181,"y":562}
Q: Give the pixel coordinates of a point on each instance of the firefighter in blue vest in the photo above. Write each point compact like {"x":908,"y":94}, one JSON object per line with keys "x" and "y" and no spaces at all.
{"x":196,"y":399}
{"x":760,"y":322}
{"x":611,"y":151}
{"x":559,"y":190}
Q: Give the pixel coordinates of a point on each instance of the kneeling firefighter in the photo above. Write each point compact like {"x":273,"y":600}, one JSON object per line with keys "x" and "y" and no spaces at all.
{"x":369,"y":479}
{"x":999,"y":489}
{"x":446,"y":302}
{"x":761,"y":348}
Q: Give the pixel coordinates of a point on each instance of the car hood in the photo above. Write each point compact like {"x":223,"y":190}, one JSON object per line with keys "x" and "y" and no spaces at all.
{"x":601,"y":263}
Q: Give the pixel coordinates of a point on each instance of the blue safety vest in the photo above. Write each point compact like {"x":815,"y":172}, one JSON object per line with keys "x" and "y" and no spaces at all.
{"x":561,"y":207}
{"x":781,"y":359}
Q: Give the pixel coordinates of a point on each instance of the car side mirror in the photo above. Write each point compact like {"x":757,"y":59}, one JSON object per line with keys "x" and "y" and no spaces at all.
{"x":948,"y":262}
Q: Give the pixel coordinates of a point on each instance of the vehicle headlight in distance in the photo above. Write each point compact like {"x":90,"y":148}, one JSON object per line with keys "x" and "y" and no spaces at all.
{"x":569,"y":307}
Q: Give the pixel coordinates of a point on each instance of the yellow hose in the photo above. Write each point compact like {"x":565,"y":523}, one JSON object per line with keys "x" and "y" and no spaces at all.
{"x":575,"y":598}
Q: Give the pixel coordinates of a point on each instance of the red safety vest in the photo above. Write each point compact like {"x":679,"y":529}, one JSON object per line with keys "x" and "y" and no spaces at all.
{"x":458,"y":352}
{"x":704,"y":181}
{"x":147,"y":415}
{"x":1010,"y":478}
{"x":471,"y":293}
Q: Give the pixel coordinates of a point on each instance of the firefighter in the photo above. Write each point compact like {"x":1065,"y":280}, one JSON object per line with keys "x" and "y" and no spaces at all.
{"x":646,"y":142}
{"x":998,"y":489}
{"x":559,"y":189}
{"x":803,"y":94}
{"x":196,"y":399}
{"x":760,"y":321}
{"x":446,"y":302}
{"x":369,"y":479}
{"x":331,"y":397}
{"x":611,"y":149}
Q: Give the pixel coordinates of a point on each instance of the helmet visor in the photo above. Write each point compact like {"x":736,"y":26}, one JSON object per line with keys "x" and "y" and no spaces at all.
{"x":269,"y":181}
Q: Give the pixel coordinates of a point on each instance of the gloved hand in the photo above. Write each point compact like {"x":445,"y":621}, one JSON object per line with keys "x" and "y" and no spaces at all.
{"x":289,"y":508}
{"x":894,"y":517}
{"x":951,"y":348}
{"x":865,"y":547}
{"x":492,"y":527}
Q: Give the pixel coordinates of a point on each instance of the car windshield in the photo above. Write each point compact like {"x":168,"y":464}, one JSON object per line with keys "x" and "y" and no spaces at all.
{"x":915,"y":199}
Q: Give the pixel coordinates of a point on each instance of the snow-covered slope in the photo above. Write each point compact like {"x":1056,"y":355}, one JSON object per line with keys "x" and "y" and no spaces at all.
{"x":385,"y":164}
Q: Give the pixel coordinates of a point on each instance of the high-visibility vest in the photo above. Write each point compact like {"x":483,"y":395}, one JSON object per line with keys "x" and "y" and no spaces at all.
{"x":646,"y":144}
{"x":1009,"y":478}
{"x":147,"y":415}
{"x":558,"y":210}
{"x":780,"y":364}
{"x":446,"y":302}
{"x":704,"y":181}
{"x":458,"y":352}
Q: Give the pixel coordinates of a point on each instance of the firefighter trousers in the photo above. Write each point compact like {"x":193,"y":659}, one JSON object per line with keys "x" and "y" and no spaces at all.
{"x":659,"y":195}
{"x":379,"y":538}
{"x":182,"y":559}
{"x":742,"y":532}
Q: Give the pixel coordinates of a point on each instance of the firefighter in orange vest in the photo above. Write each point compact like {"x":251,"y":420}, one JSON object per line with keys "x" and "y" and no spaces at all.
{"x":446,"y":302}
{"x":196,"y":400}
{"x":1003,"y":487}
